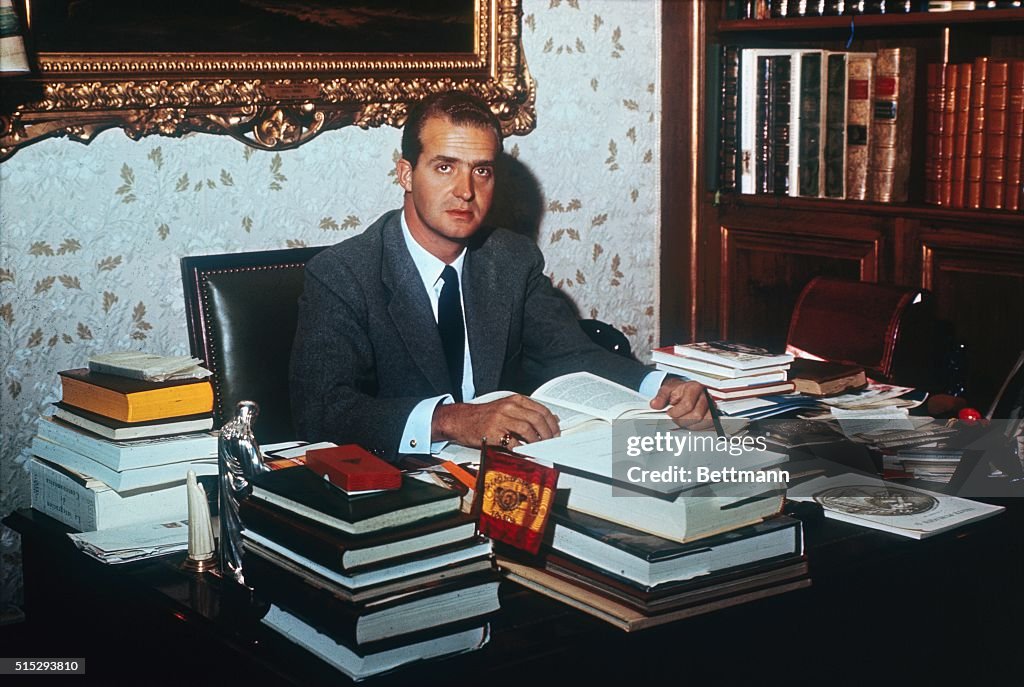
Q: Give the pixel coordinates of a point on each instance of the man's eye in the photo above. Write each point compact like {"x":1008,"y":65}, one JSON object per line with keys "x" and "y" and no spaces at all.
{"x":484,"y":171}
{"x":444,"y":169}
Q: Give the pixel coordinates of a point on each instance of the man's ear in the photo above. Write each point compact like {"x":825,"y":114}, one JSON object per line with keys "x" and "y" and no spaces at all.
{"x":404,"y":170}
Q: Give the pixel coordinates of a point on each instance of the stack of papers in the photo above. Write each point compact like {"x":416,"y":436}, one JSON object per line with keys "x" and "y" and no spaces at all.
{"x":134,"y":542}
{"x":148,"y":366}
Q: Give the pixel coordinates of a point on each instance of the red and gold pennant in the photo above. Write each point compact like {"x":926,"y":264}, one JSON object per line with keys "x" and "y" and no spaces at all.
{"x":514,"y":496}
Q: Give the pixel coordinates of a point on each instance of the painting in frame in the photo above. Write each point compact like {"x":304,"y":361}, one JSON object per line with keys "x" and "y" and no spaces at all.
{"x":271,"y":73}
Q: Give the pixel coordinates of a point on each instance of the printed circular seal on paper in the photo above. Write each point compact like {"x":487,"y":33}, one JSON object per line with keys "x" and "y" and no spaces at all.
{"x":869,"y":499}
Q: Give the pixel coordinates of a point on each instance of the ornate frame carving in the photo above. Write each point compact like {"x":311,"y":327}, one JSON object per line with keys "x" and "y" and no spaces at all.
{"x":271,"y":101}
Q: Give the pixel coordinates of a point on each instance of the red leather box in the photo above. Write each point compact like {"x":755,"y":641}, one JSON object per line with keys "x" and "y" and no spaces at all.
{"x":353,"y":468}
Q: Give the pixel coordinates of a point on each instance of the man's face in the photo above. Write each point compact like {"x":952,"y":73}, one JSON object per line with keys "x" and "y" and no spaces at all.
{"x":449,"y":191}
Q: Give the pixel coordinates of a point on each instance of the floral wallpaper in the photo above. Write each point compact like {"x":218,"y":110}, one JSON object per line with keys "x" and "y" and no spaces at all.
{"x":91,"y":236}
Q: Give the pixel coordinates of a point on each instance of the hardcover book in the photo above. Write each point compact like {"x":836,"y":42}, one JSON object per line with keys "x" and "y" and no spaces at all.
{"x":439,"y":608}
{"x":935,"y":92}
{"x":860,"y":72}
{"x":994,"y":165}
{"x":1015,"y":137}
{"x":824,"y":378}
{"x":343,"y":552}
{"x":134,"y":400}
{"x":88,"y":504}
{"x":961,"y":132}
{"x":731,"y":354}
{"x":974,"y":178}
{"x":625,"y":616}
{"x":128,"y":455}
{"x":668,"y":356}
{"x":835,"y":126}
{"x":893,"y":121}
{"x":124,"y":480}
{"x":303,"y":492}
{"x":449,"y":558}
{"x":647,"y":560}
{"x":811,"y":138}
{"x":109,"y":428}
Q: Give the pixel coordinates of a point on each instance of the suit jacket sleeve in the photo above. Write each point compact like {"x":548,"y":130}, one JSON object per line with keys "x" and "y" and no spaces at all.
{"x":333,"y":368}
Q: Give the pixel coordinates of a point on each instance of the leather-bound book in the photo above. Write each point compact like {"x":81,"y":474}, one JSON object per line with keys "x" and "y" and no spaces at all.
{"x":935,"y":91}
{"x":1015,"y":138}
{"x":893,"y":121}
{"x":780,"y":123}
{"x":996,"y":101}
{"x":961,"y":127}
{"x":764,"y":163}
{"x":976,"y":135}
{"x":302,"y":491}
{"x":343,"y":552}
{"x":835,"y":126}
{"x":809,"y":138}
{"x":945,"y":157}
{"x":860,"y":73}
{"x":824,"y":378}
{"x":729,"y":119}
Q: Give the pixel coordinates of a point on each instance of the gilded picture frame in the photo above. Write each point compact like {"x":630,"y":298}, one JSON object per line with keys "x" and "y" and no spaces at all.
{"x":270,"y":97}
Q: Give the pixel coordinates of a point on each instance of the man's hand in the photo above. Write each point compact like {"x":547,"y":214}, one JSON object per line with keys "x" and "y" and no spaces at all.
{"x":686,"y":402}
{"x":521,"y":418}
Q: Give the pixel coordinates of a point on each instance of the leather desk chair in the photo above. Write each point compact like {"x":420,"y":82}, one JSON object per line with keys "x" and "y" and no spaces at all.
{"x":242,"y":310}
{"x":884,"y":328}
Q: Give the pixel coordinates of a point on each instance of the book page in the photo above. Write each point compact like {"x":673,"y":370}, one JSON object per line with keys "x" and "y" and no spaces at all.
{"x":587,"y":393}
{"x":568,"y":418}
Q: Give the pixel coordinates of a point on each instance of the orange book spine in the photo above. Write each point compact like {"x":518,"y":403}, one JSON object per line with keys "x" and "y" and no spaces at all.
{"x":960,"y":132}
{"x":1015,"y":138}
{"x":994,"y":178}
{"x":935,"y":91}
{"x":976,"y":134}
{"x":945,"y":158}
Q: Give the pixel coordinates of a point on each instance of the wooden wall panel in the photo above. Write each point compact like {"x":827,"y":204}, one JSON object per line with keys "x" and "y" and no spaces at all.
{"x":978,"y":285}
{"x":762,"y":271}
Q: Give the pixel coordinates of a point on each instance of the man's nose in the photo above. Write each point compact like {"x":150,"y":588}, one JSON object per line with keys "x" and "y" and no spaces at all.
{"x":464,"y":186}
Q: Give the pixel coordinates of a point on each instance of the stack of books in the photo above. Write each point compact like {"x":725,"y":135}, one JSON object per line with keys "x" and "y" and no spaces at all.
{"x":635,"y":580}
{"x":641,"y":554}
{"x":817,"y":123}
{"x":974,"y":140}
{"x":368,"y":582}
{"x":729,"y":370}
{"x":117,"y":450}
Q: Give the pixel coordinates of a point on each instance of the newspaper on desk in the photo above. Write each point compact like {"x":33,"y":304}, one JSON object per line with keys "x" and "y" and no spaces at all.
{"x":133,"y":542}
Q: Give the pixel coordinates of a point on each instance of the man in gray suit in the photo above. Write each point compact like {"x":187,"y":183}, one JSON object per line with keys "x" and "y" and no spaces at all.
{"x":426,"y":308}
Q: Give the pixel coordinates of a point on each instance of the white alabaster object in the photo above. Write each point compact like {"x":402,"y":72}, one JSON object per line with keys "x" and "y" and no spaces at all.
{"x":200,"y":529}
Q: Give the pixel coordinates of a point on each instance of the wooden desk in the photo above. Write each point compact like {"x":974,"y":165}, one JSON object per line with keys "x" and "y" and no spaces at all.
{"x":880,"y":607}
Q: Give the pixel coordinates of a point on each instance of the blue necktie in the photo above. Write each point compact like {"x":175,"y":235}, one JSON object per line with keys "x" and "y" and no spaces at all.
{"x":450,"y":327}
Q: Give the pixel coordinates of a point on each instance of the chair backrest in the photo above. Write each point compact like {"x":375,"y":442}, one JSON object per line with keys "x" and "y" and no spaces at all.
{"x":242,"y":310}
{"x":884,"y":328}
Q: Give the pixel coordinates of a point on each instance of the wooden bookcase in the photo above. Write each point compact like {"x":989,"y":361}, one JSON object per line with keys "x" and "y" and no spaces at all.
{"x":733,"y":264}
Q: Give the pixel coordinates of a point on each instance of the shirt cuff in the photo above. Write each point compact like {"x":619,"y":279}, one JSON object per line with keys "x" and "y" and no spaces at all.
{"x":416,"y":437}
{"x":652,"y":382}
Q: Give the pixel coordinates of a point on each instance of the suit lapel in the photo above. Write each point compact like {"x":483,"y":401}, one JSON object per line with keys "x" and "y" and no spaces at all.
{"x":410,"y":309}
{"x":488,"y":308}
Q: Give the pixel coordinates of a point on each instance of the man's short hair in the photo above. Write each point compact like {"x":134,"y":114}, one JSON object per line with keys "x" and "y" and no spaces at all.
{"x":461,"y":109}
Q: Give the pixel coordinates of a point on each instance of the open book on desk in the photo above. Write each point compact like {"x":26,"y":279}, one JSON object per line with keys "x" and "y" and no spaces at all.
{"x":582,"y":400}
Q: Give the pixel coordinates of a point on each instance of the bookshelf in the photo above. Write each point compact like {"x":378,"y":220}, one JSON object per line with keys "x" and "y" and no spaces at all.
{"x":733,"y":263}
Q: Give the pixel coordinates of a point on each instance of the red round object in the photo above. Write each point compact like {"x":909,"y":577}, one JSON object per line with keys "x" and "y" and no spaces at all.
{"x":969,"y":415}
